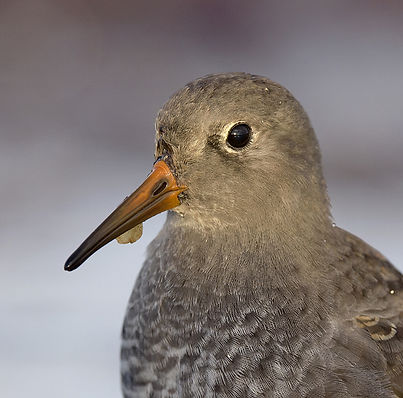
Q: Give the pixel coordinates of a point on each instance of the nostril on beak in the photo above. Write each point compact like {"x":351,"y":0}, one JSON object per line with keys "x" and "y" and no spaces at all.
{"x":160,"y":188}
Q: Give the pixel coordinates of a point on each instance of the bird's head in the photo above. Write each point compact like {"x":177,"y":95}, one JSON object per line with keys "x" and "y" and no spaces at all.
{"x":233,"y":152}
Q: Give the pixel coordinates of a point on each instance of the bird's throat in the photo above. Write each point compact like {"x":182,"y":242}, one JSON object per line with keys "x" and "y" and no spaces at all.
{"x":231,"y":260}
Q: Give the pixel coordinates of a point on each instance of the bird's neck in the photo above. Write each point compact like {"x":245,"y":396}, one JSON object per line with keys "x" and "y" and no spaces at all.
{"x":241,"y":259}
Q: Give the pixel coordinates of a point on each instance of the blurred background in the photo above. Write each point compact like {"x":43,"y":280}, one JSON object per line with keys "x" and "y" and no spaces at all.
{"x":80,"y":84}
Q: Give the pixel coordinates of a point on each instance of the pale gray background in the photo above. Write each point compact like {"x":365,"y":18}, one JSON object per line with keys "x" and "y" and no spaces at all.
{"x":80,"y":84}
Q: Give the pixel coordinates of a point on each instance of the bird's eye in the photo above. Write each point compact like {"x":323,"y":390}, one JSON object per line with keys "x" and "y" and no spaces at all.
{"x":239,"y":135}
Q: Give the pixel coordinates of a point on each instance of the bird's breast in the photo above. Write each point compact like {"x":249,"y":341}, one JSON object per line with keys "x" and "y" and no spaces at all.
{"x":179,"y":336}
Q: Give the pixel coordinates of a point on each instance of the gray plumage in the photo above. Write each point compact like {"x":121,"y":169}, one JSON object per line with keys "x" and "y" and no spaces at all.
{"x":250,"y":290}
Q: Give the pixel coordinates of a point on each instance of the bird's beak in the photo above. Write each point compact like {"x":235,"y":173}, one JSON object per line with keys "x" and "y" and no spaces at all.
{"x":159,"y":192}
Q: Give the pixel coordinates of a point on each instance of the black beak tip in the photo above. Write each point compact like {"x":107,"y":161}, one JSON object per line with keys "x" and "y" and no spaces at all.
{"x":71,"y":264}
{"x":68,"y":266}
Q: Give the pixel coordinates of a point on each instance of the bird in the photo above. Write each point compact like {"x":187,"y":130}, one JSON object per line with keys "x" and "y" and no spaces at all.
{"x":250,"y":289}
